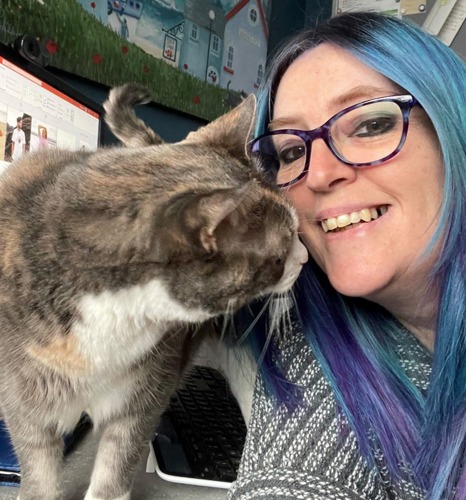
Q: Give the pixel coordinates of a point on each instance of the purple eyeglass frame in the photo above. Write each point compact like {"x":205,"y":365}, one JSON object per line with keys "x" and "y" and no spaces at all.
{"x":405,"y":102}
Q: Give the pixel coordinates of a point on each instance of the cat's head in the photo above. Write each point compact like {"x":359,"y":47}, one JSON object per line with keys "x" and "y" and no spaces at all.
{"x":197,"y":215}
{"x":224,"y":249}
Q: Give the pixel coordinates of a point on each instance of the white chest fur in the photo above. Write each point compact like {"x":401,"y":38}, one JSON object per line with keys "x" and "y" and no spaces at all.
{"x":117,"y":328}
{"x":114,"y":331}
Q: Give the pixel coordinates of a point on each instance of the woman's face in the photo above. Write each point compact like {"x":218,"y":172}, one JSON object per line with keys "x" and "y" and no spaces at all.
{"x":375,"y":259}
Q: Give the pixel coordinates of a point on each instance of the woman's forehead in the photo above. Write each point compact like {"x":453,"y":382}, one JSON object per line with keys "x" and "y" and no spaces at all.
{"x":324,"y":80}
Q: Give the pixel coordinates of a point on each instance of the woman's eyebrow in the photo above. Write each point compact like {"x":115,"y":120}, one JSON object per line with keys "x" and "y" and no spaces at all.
{"x":281,"y":123}
{"x":337,"y":103}
{"x":360,"y":93}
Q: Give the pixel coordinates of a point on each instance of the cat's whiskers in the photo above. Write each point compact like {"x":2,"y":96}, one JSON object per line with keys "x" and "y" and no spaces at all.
{"x":227,"y":321}
{"x":255,"y":320}
{"x":311,"y":220}
{"x":279,"y":311}
{"x":280,"y":318}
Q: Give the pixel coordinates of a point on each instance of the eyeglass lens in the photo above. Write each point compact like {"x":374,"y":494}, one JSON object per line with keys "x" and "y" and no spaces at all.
{"x":363,"y":135}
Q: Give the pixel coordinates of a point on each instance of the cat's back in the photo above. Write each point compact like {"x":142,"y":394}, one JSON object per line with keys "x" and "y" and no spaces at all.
{"x":25,"y":187}
{"x":27,"y":179}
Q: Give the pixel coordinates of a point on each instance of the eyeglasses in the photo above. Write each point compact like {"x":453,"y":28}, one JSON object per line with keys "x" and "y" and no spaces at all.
{"x":365,"y":134}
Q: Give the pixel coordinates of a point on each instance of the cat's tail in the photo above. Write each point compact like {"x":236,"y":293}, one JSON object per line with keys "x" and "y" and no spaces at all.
{"x":121,"y":117}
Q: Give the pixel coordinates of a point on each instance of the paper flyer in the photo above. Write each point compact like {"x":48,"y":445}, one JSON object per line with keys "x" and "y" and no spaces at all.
{"x":391,"y":7}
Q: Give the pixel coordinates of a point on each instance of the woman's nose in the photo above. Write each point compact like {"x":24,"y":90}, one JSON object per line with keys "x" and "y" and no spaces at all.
{"x":326,"y":171}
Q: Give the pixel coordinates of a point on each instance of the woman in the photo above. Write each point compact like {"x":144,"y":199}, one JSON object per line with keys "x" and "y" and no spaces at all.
{"x":363,"y":124}
{"x":43,"y":141}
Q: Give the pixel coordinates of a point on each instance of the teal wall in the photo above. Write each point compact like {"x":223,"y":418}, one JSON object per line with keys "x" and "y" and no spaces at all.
{"x":290,"y":16}
{"x":317,"y":11}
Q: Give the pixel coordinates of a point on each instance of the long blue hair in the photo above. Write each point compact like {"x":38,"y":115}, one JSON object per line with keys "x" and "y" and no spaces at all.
{"x":422,"y":435}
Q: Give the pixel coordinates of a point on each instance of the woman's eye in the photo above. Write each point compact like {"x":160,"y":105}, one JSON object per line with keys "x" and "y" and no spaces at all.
{"x":290,"y":154}
{"x":374,"y":126}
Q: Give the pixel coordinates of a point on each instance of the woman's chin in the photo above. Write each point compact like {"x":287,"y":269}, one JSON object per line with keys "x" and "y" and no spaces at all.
{"x":359,"y":285}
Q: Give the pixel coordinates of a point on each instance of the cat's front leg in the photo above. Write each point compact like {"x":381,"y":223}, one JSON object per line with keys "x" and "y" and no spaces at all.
{"x":40,"y":454}
{"x":118,"y":455}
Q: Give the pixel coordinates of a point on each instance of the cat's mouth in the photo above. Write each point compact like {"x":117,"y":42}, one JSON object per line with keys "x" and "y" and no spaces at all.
{"x":344,"y":221}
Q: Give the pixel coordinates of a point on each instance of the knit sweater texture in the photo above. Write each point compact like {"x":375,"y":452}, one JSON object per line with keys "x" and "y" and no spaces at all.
{"x":302,"y":454}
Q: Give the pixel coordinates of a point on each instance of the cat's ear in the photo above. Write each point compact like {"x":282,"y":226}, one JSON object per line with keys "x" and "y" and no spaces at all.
{"x":196,"y":225}
{"x":225,"y":207}
{"x":231,"y":131}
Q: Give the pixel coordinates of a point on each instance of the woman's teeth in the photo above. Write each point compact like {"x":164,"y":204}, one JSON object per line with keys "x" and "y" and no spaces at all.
{"x":344,"y":220}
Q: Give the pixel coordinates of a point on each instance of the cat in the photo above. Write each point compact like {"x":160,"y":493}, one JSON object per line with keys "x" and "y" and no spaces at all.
{"x":109,"y":263}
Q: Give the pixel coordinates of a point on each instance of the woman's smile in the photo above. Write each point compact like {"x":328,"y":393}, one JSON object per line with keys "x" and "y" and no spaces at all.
{"x":352,"y":219}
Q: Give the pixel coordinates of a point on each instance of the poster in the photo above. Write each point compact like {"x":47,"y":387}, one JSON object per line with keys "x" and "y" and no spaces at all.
{"x":197,"y":56}
{"x":391,"y":7}
{"x":409,"y":7}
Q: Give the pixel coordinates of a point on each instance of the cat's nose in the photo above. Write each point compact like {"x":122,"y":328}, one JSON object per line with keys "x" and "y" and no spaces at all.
{"x":303,"y":256}
{"x":299,"y":252}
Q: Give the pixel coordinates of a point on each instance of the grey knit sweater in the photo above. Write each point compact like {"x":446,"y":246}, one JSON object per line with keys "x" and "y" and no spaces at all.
{"x":302,"y":455}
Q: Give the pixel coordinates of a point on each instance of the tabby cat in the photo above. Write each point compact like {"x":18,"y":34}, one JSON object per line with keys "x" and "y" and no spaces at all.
{"x":108,"y":261}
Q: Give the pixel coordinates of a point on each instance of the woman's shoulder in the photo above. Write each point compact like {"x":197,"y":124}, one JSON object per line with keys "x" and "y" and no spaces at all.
{"x":312,"y":438}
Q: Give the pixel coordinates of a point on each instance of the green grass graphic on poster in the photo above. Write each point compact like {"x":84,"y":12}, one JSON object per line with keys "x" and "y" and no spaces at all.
{"x":76,"y":41}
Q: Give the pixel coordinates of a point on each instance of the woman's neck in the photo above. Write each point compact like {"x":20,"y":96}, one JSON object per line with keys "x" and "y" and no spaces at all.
{"x":424,"y":331}
{"x":416,"y":309}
